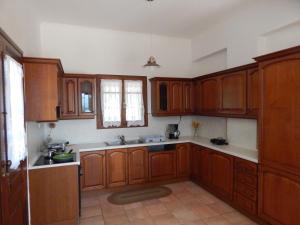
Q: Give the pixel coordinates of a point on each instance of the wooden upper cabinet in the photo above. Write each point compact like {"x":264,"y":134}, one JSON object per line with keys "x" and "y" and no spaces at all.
{"x":280,"y":114}
{"x":116,"y":163}
{"x":93,"y":170}
{"x":86,"y":96}
{"x":183,"y":160}
{"x":222,"y":174}
{"x":252,"y":91}
{"x":233,"y":93}
{"x":279,"y":197}
{"x":175,"y":97}
{"x":42,"y":100}
{"x":160,"y":97}
{"x":162,"y":165}
{"x":70,"y":100}
{"x":197,"y":96}
{"x":137,"y":165}
{"x":209,"y":94}
{"x":79,"y":96}
{"x":188,"y":102}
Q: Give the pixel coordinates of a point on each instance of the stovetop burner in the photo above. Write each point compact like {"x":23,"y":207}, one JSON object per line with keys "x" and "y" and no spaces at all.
{"x":45,"y":160}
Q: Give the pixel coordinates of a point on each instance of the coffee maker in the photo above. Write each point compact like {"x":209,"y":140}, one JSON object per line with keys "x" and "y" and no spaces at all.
{"x":172,"y":131}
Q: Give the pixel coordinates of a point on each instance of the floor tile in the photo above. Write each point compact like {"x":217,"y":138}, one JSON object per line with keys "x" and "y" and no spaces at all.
{"x":91,"y":211}
{"x":166,"y":219}
{"x":184,"y":214}
{"x":205,"y":212}
{"x":137,"y":213}
{"x":156,"y":210}
{"x":96,"y":220}
{"x":221,"y":207}
{"x":218,"y":220}
{"x":117,"y":220}
{"x":237,"y":218}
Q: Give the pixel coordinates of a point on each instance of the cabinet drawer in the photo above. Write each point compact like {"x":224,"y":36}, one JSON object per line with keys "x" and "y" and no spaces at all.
{"x":246,"y":179}
{"x":245,"y":203}
{"x":242,"y":166}
{"x":246,"y":190}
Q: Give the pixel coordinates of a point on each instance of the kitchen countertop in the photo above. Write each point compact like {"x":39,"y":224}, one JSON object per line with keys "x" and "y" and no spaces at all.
{"x":243,"y":153}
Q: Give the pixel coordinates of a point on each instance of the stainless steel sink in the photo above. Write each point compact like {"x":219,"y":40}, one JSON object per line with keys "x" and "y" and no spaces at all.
{"x":118,"y":143}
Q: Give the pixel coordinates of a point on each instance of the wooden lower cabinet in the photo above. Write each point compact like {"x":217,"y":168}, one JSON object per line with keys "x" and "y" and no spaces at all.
{"x":137,"y":165}
{"x":279,"y":197}
{"x":93,"y":170}
{"x":222,"y":174}
{"x":205,"y":166}
{"x":162,"y":165}
{"x":183,"y":160}
{"x":195,"y":162}
{"x":116,"y":162}
{"x":54,"y":195}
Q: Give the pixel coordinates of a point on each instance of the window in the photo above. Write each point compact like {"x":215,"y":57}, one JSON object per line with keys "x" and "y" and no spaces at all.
{"x":123,"y":101}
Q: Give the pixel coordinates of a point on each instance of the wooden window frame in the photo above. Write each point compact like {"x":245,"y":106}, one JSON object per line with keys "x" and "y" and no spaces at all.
{"x":123,"y":109}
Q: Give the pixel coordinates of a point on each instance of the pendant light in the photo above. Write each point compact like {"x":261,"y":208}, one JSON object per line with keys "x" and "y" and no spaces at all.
{"x":151,"y":61}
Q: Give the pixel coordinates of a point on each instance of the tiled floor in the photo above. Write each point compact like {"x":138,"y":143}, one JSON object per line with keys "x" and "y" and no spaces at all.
{"x":189,"y":204}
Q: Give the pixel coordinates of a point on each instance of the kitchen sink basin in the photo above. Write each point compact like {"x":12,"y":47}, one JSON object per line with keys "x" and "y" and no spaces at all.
{"x":118,"y":143}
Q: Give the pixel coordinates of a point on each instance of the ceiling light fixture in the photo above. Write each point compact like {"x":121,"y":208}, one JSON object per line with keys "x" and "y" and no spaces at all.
{"x":151,"y":61}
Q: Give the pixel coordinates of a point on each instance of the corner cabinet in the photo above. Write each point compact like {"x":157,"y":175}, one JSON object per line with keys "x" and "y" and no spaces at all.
{"x":93,"y":169}
{"x":79,"y":97}
{"x":183,"y":160}
{"x":42,"y":89}
{"x":172,"y":96}
{"x":209,"y":94}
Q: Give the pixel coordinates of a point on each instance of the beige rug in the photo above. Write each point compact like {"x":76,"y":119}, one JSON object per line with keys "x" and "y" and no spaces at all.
{"x":126,"y":197}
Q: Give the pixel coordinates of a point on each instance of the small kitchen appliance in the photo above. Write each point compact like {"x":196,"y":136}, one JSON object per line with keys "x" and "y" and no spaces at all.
{"x":172,"y":131}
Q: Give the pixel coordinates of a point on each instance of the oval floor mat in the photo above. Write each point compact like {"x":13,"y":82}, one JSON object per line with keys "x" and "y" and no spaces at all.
{"x":126,"y":197}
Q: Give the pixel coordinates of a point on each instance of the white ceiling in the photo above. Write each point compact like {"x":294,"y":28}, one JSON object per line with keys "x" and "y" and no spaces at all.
{"x":180,"y":18}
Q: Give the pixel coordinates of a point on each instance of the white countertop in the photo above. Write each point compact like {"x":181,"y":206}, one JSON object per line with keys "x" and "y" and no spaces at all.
{"x":243,"y":153}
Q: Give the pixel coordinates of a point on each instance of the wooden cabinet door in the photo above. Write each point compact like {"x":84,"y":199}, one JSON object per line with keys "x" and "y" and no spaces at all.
{"x":116,"y":161}
{"x":233,"y":93}
{"x":175,"y":97}
{"x":279,"y":197}
{"x":197,"y":97}
{"x":160,"y":97}
{"x":222,"y":174}
{"x":93,"y":170}
{"x":183,"y":160}
{"x":252,"y":91}
{"x":195,"y":162}
{"x":188,"y":105}
{"x":70,"y":99}
{"x":209,"y":95}
{"x":137,"y":165}
{"x":280,"y":114}
{"x":41,"y":91}
{"x":162,"y":165}
{"x":86,"y":97}
{"x":205,"y":167}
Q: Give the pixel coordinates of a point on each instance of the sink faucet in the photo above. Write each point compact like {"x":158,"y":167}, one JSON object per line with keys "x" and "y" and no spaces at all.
{"x":122,"y":139}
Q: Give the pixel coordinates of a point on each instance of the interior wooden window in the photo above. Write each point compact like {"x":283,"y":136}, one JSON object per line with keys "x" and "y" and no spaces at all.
{"x":121,"y":101}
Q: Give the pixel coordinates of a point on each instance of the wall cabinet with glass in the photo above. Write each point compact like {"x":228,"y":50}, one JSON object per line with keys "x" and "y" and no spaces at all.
{"x":172,"y":96}
{"x":78,"y":93}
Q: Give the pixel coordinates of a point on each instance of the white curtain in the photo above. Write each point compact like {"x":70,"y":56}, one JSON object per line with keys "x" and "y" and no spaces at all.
{"x":111,"y":102}
{"x":14,"y":103}
{"x":134,"y":103}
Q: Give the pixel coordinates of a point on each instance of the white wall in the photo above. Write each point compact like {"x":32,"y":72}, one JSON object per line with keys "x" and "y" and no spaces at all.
{"x":89,"y":50}
{"x":19,"y":22}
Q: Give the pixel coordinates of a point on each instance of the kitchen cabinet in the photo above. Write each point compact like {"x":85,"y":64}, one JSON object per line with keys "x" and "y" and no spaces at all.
{"x":233,"y":93}
{"x":79,"y":96}
{"x":209,"y":94}
{"x":252,"y":91}
{"x":205,"y":166}
{"x":116,"y":164}
{"x":162,"y":165}
{"x":137,"y":165}
{"x":175,"y":97}
{"x":279,"y":174}
{"x":93,"y":166}
{"x":54,"y":197}
{"x":245,"y":185}
{"x":195,"y":162}
{"x":172,"y":96}
{"x":42,"y":89}
{"x":197,"y":97}
{"x":279,"y":197}
{"x":188,"y":94}
{"x":70,"y":100}
{"x":222,"y":174}
{"x":183,"y":160}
